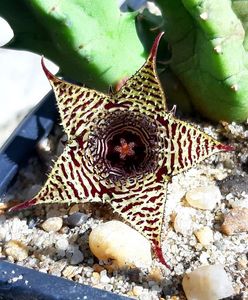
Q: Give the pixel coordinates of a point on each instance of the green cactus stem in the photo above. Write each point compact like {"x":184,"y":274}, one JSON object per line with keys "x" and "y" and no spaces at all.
{"x":91,"y":41}
{"x":207,"y":40}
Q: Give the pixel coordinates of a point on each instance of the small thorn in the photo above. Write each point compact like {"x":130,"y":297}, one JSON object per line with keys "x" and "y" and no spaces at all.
{"x":204,"y":16}
{"x":23,"y":205}
{"x":159,"y":254}
{"x":235,"y":87}
{"x":173,"y":110}
{"x":218,"y":49}
{"x":49,"y":75}
{"x":153,"y":52}
{"x":223,"y":147}
{"x":111,"y":90}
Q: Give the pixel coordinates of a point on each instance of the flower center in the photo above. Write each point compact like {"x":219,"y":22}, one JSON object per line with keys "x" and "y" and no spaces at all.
{"x":125,"y":149}
{"x":123,"y":145}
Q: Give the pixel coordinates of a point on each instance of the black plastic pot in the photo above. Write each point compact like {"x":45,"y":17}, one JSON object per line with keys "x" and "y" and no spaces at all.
{"x":18,"y":282}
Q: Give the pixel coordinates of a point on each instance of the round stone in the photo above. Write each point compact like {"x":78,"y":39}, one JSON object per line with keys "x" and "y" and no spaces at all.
{"x":52,"y":224}
{"x":207,"y":283}
{"x":183,"y":221}
{"x":16,"y":249}
{"x":137,"y":290}
{"x":204,"y":235}
{"x":205,"y":197}
{"x":77,"y":256}
{"x":62,"y":244}
{"x":235,"y":221}
{"x":117,"y":241}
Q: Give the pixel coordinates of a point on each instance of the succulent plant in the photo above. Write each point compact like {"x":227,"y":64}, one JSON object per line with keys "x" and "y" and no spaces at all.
{"x":96,"y":44}
{"x":122,"y":149}
{"x":93,"y":42}
{"x":208,"y":44}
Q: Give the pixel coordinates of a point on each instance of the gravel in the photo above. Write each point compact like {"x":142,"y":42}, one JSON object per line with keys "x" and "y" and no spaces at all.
{"x":66,"y":252}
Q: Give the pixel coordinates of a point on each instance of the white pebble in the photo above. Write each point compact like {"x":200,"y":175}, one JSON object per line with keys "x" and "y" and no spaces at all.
{"x":207,"y":283}
{"x":16,"y":249}
{"x":118,"y":241}
{"x":204,"y":197}
{"x":204,"y":235}
{"x":204,"y":258}
{"x":236,"y":203}
{"x":104,"y":279}
{"x":52,"y":224}
{"x":183,"y":221}
{"x":62,"y":244}
{"x":137,"y":290}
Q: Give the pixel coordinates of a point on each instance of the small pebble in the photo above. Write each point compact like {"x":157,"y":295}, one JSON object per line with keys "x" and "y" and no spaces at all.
{"x":156,"y":288}
{"x":70,"y":271}
{"x":137,"y":290}
{"x":104,"y":277}
{"x":207,"y":283}
{"x":183,"y":222}
{"x":57,"y":267}
{"x":235,"y":221}
{"x":205,"y":197}
{"x":242,"y":262}
{"x":204,"y":235}
{"x":62,"y":244}
{"x":121,"y":243}
{"x":77,"y":219}
{"x":204,"y":258}
{"x":52,"y":224}
{"x":95,"y":277}
{"x":155,"y":274}
{"x":16,"y":249}
{"x":77,"y":257}
{"x":238,"y":203}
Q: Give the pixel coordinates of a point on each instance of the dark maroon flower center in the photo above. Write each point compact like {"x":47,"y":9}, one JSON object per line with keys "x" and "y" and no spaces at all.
{"x":126,"y":151}
{"x":124,"y":145}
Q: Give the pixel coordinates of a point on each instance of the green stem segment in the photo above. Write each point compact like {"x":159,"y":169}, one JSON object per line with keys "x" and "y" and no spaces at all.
{"x":91,"y":41}
{"x":208,"y":55}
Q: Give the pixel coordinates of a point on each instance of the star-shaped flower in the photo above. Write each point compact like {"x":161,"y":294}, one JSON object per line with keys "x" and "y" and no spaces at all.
{"x":122,"y":149}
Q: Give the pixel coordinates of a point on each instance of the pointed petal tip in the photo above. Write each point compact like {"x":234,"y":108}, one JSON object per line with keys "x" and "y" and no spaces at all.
{"x":23,"y":205}
{"x":159,"y":254}
{"x":153,"y":53}
{"x":223,"y":147}
{"x":49,"y":75}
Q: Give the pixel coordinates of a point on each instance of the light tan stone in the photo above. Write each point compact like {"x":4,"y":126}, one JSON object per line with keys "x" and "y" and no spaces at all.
{"x":121,"y":243}
{"x":205,"y":197}
{"x":235,"y":221}
{"x":204,"y":235}
{"x":207,"y":283}
{"x":16,"y":249}
{"x":52,"y":224}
